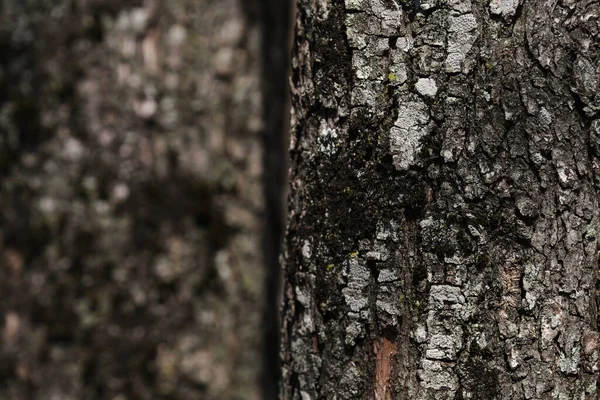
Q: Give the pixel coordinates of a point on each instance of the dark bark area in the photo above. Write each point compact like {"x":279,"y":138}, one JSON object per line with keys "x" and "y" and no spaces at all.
{"x":276,"y":29}
{"x":443,"y":214}
{"x":130,"y":169}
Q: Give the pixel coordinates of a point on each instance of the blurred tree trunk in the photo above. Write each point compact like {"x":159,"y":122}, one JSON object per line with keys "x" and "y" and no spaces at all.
{"x":443,"y":231}
{"x":130,"y":164}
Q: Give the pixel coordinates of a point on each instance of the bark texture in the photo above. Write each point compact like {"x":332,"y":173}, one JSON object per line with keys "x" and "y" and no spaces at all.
{"x":130,"y":169}
{"x":443,"y":231}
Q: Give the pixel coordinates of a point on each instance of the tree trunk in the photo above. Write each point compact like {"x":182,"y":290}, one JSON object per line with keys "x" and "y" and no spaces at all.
{"x":443,"y":215}
{"x":130,"y":162}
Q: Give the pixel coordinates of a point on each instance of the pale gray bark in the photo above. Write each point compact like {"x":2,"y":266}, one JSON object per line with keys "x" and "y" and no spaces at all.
{"x":442,"y":237}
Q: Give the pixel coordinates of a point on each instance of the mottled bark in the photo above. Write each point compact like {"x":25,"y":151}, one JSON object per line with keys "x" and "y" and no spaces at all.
{"x":442,"y":239}
{"x":130,"y":168}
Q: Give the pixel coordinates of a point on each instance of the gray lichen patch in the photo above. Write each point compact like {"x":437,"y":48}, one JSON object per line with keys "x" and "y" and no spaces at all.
{"x":462,"y":23}
{"x":505,"y":8}
{"x":354,"y":5}
{"x":366,"y":67}
{"x":388,"y":308}
{"x":378,"y":253}
{"x":444,"y":337}
{"x":407,"y":132}
{"x":443,"y":347}
{"x":442,"y":296}
{"x":462,"y":35}
{"x":387,"y":275}
{"x":398,"y":73}
{"x":438,"y":375}
{"x":426,"y":87}
{"x":360,"y":27}
{"x":358,"y":279}
{"x":367,"y":93}
{"x":354,"y":330}
{"x":356,"y":297}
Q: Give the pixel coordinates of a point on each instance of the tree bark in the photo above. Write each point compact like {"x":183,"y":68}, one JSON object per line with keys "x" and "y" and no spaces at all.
{"x":443,"y":217}
{"x":130,"y":195}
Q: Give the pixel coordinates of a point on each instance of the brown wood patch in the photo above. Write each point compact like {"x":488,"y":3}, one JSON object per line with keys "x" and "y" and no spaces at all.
{"x":385,"y":350}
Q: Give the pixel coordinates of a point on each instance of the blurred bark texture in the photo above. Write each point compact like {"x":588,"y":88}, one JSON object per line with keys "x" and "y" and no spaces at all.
{"x":130,"y":170}
{"x":444,"y":215}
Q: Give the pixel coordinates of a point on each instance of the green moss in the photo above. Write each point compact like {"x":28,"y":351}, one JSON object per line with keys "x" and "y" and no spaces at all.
{"x":392,"y":77}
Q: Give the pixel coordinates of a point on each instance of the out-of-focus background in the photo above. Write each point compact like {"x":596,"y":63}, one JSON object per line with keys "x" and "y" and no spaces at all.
{"x":130,"y":170}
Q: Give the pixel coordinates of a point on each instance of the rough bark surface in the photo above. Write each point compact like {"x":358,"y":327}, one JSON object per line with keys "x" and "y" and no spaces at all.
{"x":130,"y":165}
{"x":443,"y":231}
